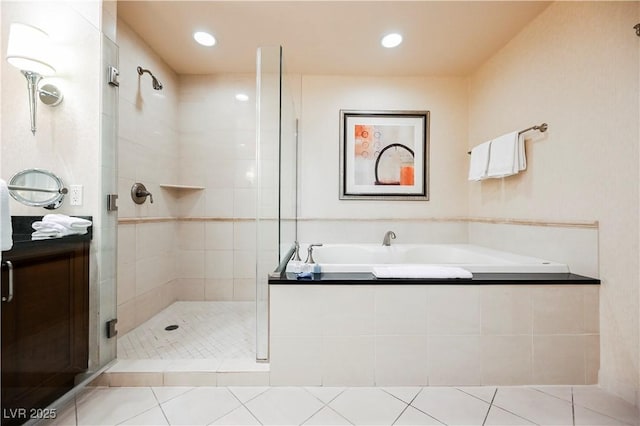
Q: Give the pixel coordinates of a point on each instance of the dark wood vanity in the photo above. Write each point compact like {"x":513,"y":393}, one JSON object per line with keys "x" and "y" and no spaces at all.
{"x":45,"y":322}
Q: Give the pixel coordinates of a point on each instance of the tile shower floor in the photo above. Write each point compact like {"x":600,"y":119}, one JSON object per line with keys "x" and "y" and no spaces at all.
{"x":555,"y":405}
{"x":206,"y":330}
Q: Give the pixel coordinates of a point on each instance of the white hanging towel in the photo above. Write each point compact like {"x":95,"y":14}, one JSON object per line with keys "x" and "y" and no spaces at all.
{"x":504,"y":159}
{"x":6,"y":231}
{"x":522,"y":158}
{"x":479,"y":161}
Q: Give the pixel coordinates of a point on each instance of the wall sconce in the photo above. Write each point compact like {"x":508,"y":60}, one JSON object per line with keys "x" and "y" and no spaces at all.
{"x":28,"y":50}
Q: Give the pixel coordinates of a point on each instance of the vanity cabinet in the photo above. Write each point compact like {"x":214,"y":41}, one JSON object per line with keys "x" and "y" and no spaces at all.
{"x":45,"y":326}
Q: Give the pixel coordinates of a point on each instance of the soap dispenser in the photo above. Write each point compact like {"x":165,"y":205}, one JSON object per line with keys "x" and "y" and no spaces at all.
{"x":309,"y":264}
{"x":295,"y":264}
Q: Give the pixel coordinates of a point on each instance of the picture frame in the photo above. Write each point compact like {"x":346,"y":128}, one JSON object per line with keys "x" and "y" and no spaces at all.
{"x":384,"y":155}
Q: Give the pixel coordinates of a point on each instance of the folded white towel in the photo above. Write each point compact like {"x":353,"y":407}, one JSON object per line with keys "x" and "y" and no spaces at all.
{"x":420,"y":271}
{"x":49,"y":230}
{"x":479,"y":161}
{"x":504,"y":156}
{"x":68,"y":221}
{"x":57,"y":226}
{"x":6,"y":231}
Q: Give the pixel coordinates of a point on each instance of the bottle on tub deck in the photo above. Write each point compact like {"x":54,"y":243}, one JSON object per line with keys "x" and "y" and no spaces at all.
{"x":295,"y":263}
{"x":310,"y":265}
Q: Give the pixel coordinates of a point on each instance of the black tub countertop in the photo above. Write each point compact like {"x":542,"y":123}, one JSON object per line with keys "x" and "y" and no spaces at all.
{"x":354,"y":278}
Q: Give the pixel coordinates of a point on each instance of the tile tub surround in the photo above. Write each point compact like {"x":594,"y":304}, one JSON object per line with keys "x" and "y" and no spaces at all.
{"x":418,"y":335}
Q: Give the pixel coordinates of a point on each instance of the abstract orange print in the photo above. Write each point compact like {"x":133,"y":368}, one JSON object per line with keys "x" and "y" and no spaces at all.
{"x":363,"y":136}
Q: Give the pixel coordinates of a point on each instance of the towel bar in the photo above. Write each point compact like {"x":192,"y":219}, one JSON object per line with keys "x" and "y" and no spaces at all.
{"x":542,"y":127}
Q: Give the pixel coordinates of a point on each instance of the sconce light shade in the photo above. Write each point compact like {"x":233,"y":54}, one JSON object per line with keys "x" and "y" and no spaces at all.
{"x":29,"y":49}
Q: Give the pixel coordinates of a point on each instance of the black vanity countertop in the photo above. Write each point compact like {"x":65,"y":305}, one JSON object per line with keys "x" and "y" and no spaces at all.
{"x":22,"y":234}
{"x":478,"y":279}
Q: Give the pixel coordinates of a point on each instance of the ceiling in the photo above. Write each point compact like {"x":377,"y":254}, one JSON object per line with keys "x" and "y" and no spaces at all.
{"x":441,"y":38}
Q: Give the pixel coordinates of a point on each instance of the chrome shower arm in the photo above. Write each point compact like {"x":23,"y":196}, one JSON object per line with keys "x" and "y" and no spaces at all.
{"x":154,"y":81}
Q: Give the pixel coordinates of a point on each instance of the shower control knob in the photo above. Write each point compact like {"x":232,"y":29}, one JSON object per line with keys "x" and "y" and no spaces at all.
{"x":139,"y":193}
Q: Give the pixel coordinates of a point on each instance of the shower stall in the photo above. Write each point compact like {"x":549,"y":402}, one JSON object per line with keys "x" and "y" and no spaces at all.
{"x":230,"y":218}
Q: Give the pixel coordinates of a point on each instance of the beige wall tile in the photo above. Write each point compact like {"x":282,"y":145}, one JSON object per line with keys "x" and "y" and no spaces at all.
{"x":401,"y":360}
{"x":506,"y":310}
{"x":218,"y":289}
{"x":559,"y":360}
{"x":135,"y":379}
{"x":348,"y":360}
{"x":126,"y":244}
{"x":244,"y":289}
{"x":189,"y":289}
{"x":591,"y":309}
{"x":558,"y":310}
{"x":295,"y":310}
{"x":400,"y":310}
{"x":244,"y":264}
{"x":243,"y":378}
{"x":126,"y":282}
{"x":454,"y":360}
{"x":190,"y":264}
{"x":219,"y":264}
{"x":507,"y":360}
{"x":453,"y":310}
{"x":592,"y":359}
{"x":190,"y":235}
{"x":219,"y":236}
{"x":126,"y":317}
{"x":296,"y":360}
{"x":347,"y":310}
{"x":190,"y":378}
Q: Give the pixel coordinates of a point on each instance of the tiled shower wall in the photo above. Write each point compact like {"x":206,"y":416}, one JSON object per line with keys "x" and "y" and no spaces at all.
{"x":147,"y":152}
{"x":193,"y":244}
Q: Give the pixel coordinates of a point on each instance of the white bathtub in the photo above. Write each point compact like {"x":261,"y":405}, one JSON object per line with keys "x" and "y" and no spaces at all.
{"x":363,"y":257}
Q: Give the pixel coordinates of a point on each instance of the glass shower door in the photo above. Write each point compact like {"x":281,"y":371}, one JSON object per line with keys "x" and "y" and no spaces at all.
{"x":276,"y":154}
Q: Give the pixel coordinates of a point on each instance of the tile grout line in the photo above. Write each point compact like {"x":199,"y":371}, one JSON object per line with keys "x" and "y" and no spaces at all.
{"x":573,"y":408}
{"x":75,"y":408}
{"x":406,"y":404}
{"x":160,"y":405}
{"x":490,"y":405}
{"x":241,"y":405}
{"x":519,"y":416}
{"x":325,"y":404}
{"x":424,"y":412}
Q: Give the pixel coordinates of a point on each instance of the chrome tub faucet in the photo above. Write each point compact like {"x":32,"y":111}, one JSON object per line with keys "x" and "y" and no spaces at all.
{"x":388,"y":236}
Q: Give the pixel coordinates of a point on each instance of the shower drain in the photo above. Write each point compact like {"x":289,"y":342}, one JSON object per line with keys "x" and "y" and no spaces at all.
{"x":171,"y":327}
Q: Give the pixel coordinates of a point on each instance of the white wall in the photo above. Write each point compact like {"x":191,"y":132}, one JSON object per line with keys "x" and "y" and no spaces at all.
{"x":326,"y":218}
{"x":576,"y":68}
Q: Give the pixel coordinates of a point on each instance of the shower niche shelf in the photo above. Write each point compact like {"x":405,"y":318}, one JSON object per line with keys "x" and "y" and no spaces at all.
{"x":181,"y":187}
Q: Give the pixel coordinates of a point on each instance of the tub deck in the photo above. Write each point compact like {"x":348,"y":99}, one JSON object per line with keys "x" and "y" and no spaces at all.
{"x":364,"y":278}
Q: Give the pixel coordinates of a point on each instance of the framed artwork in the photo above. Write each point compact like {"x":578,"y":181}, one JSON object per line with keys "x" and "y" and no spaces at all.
{"x":384,"y":155}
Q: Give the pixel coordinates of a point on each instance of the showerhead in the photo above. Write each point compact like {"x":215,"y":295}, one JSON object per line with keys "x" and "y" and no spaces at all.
{"x":154,"y":81}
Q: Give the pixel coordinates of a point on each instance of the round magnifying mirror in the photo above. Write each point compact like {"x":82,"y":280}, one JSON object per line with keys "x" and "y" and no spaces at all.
{"x":37,"y":188}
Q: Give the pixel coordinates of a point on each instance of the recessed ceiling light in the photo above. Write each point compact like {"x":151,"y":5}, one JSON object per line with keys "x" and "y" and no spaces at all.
{"x":242,"y":97}
{"x":391,"y":40}
{"x":204,"y":39}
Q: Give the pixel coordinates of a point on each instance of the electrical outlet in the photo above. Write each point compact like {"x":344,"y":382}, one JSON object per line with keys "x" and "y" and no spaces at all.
{"x":75,"y":195}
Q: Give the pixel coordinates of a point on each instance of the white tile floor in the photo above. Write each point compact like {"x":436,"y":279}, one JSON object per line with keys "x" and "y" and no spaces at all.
{"x":582,"y":405}
{"x":207,"y":330}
